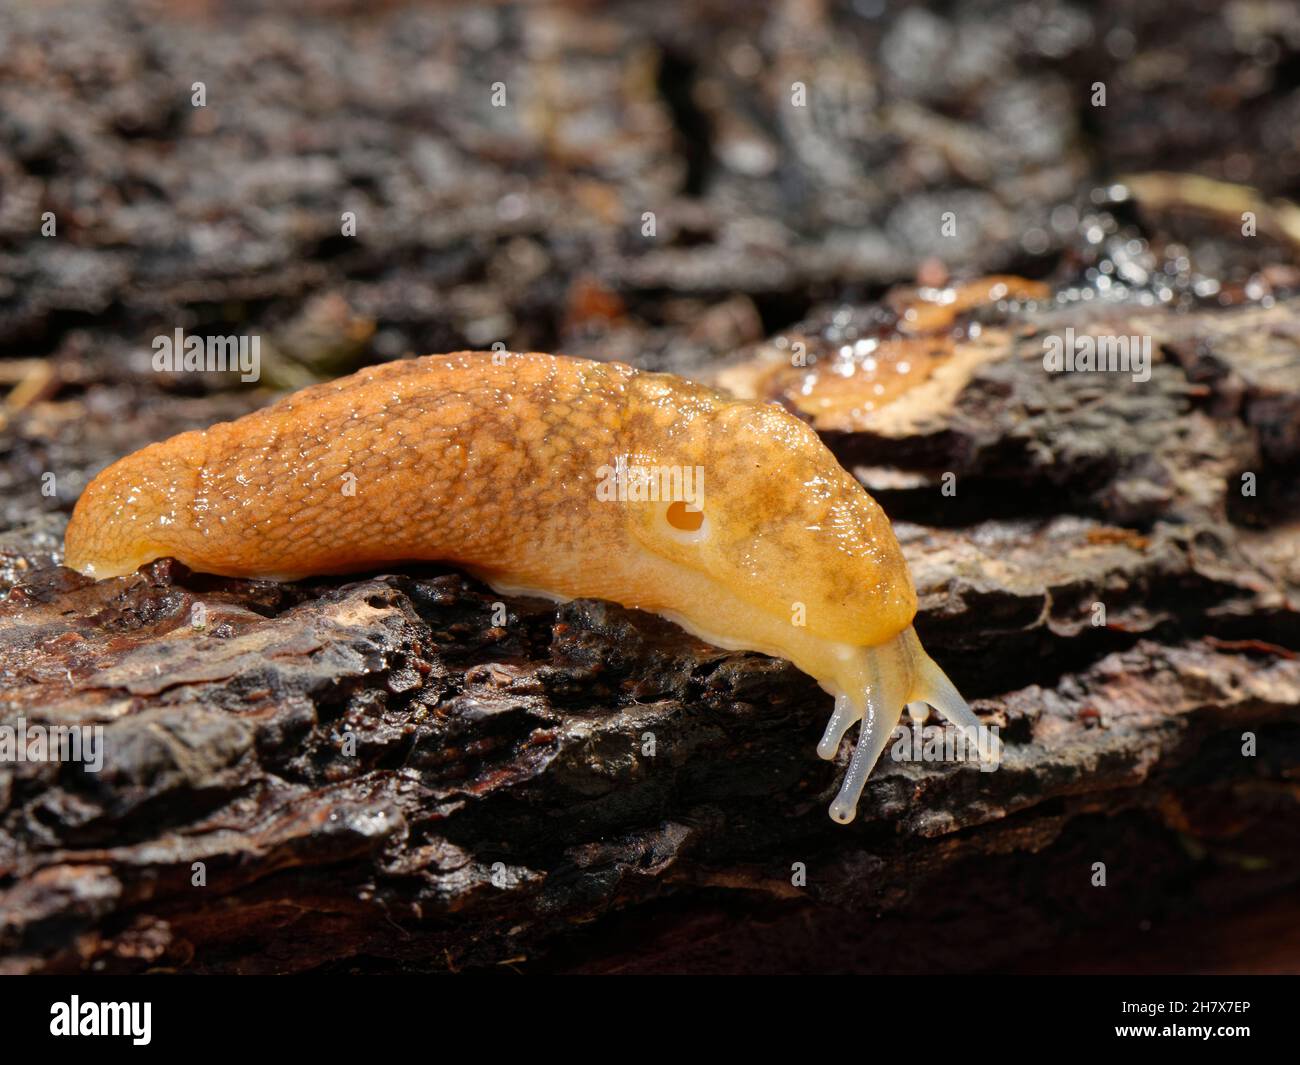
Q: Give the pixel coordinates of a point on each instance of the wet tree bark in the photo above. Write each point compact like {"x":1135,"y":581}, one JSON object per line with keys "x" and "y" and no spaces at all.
{"x":387,"y":772}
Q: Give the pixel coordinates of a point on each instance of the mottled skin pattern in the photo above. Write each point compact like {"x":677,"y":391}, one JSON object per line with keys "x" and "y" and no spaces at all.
{"x":494,"y":462}
{"x":493,"y":465}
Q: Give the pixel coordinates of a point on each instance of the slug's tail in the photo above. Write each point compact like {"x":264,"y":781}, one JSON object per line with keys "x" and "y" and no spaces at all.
{"x":897,"y":673}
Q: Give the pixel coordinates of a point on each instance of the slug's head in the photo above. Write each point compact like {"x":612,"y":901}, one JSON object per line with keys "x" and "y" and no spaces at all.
{"x":762,"y":541}
{"x":751,"y":499}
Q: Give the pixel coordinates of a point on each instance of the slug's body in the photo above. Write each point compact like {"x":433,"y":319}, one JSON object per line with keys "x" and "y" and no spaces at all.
{"x":501,"y":464}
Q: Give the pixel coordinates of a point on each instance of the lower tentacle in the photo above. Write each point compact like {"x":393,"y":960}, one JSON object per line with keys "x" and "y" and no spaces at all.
{"x":841,"y":721}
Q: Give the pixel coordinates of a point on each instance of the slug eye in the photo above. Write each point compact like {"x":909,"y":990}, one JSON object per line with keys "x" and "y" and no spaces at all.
{"x":686,"y":524}
{"x":682,"y":519}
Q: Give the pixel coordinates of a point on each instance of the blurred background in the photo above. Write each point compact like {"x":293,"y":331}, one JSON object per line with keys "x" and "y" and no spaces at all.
{"x":618,"y":180}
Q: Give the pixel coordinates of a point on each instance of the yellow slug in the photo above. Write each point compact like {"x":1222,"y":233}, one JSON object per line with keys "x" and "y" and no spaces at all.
{"x":558,"y":477}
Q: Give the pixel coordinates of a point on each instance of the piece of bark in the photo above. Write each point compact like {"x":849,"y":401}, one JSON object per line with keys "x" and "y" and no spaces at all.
{"x":384,"y":772}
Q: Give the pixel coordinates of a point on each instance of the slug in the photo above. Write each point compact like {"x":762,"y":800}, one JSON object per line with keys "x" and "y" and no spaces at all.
{"x":501,"y":464}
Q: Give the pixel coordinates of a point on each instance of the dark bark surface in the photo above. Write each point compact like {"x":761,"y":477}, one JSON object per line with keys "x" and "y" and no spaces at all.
{"x":381,"y":769}
{"x":390,"y":772}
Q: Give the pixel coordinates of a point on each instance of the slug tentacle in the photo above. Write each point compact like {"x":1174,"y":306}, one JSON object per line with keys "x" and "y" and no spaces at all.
{"x":841,"y":721}
{"x":896,"y":674}
{"x":886,"y":693}
{"x":940,"y":693}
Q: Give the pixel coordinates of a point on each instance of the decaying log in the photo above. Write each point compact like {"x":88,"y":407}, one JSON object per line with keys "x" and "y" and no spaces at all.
{"x":391,"y":771}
